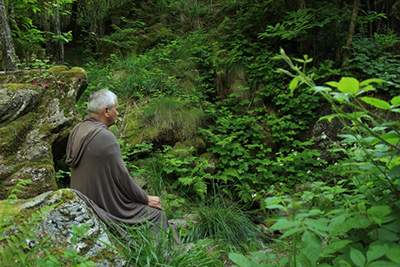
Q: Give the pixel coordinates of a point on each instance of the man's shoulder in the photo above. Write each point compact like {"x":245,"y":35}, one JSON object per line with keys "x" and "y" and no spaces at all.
{"x":106,"y":134}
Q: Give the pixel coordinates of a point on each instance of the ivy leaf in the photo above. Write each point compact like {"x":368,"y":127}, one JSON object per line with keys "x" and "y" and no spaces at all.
{"x":357,"y":257}
{"x":378,"y":103}
{"x":348,"y":85}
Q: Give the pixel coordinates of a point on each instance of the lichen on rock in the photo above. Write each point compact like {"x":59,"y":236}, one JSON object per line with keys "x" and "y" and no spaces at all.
{"x":56,"y":223}
{"x":37,"y":112}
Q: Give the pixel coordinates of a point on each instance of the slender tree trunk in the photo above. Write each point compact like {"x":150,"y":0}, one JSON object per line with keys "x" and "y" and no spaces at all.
{"x":54,"y":46}
{"x":9,"y":56}
{"x":58,"y":43}
{"x":352,"y":28}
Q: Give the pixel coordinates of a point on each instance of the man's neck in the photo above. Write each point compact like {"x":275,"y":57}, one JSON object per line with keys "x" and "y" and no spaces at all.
{"x":98,"y":117}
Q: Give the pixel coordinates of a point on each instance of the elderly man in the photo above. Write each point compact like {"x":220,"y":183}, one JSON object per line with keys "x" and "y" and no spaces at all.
{"x":99,"y":174}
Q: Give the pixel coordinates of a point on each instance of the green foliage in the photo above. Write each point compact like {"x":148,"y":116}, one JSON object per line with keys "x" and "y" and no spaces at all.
{"x":255,"y":150}
{"x":297,"y":25}
{"x":188,"y":173}
{"x":124,"y":38}
{"x":254,"y":259}
{"x":141,"y":248}
{"x":352,"y":222}
{"x":226,"y":222}
{"x":372,"y":58}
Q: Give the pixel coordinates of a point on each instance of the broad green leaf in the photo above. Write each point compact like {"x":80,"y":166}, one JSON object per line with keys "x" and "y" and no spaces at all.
{"x":376,"y":250}
{"x":311,"y":246}
{"x":383,"y":264}
{"x":348,"y":85}
{"x":378,"y":212}
{"x":291,"y":232}
{"x":378,"y":103}
{"x":357,"y":257}
{"x":392,"y":138}
{"x":394,"y":172}
{"x":383,"y":234}
{"x":293,"y":84}
{"x":373,"y":80}
{"x":334,"y":246}
{"x":239,"y":259}
{"x":394,"y":254}
{"x":395,"y":101}
{"x":319,"y":226}
{"x":333,"y":84}
{"x":283,"y":224}
{"x":336,"y":225}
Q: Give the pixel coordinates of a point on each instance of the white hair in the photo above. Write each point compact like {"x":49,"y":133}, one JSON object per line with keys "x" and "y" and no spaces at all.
{"x":101,"y":99}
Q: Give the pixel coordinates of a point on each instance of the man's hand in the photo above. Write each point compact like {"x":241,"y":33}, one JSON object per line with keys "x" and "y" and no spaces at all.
{"x":155,"y":202}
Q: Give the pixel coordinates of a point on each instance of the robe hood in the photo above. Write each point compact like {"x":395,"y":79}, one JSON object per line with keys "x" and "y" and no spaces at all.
{"x":80,"y":138}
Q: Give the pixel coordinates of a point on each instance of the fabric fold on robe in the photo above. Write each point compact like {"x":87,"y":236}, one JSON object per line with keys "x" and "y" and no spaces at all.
{"x":101,"y":179}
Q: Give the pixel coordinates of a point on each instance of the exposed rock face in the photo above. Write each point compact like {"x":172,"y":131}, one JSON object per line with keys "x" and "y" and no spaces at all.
{"x":37,"y":112}
{"x":68,"y":210}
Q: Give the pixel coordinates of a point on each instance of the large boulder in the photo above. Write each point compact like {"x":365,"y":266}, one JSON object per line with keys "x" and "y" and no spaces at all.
{"x":52,"y":216}
{"x":37,"y":112}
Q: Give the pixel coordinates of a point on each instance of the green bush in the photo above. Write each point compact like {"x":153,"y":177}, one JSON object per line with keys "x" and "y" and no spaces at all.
{"x":355,"y":221}
{"x":226,"y":222}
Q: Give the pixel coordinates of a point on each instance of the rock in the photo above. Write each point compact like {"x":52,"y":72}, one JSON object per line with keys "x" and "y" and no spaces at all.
{"x":68,"y":210}
{"x":37,"y":112}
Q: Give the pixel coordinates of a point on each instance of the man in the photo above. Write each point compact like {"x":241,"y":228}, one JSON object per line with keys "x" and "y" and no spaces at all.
{"x":98,"y":172}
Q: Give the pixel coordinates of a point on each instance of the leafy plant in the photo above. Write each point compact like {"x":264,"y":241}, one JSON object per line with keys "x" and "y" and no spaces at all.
{"x":227,"y":222}
{"x":188,"y":172}
{"x":141,"y":248}
{"x":351,"y":222}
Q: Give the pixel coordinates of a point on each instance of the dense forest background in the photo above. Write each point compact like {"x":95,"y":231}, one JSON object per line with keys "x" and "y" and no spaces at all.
{"x":282,"y":109}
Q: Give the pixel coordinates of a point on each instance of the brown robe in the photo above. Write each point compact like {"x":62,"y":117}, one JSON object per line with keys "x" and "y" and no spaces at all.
{"x":99,"y":176}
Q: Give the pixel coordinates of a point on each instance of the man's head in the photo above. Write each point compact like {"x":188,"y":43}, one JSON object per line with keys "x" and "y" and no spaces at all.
{"x":103,"y":105}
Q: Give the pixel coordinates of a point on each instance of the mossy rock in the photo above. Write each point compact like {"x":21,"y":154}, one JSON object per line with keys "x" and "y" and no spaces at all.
{"x":52,"y":216}
{"x":35,"y":120}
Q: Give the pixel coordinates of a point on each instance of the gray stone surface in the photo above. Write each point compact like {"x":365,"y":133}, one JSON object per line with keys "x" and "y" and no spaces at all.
{"x":69,"y":210}
{"x":37,"y":112}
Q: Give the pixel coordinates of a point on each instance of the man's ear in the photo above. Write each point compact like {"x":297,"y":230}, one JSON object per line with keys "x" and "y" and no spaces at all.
{"x":105,"y":111}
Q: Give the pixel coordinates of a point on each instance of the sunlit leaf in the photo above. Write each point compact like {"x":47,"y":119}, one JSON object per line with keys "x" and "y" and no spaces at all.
{"x":293,"y":84}
{"x":395,"y":101}
{"x":348,"y":85}
{"x":378,"y":103}
{"x":373,"y":80}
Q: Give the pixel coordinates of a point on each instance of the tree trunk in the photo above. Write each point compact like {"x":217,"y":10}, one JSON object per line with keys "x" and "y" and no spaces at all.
{"x":9,"y":56}
{"x":54,"y":44}
{"x":352,"y":28}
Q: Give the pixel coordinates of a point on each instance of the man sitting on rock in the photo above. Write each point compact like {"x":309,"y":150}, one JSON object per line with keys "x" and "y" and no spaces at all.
{"x":99,"y":174}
